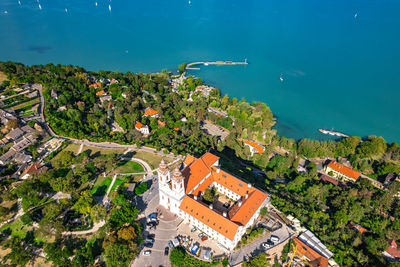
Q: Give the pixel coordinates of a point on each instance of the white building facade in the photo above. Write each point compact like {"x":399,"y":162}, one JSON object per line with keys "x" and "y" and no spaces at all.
{"x":181,"y":192}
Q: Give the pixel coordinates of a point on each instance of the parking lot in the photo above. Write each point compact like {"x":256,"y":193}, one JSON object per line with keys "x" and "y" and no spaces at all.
{"x":186,"y":230}
{"x":165,"y":231}
{"x":255,"y":248}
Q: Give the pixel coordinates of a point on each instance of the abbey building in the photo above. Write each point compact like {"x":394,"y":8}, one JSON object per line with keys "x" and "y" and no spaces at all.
{"x":235,"y":206}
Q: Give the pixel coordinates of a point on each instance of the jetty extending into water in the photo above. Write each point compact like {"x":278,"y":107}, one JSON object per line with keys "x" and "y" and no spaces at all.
{"x":218,"y":63}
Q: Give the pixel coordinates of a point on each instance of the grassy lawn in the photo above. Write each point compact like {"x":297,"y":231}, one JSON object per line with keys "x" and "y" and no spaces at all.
{"x":151,"y":158}
{"x":101,"y":186}
{"x":129,"y":167}
{"x":117,"y":183}
{"x":103,"y":151}
{"x":17,"y":228}
{"x":74,"y":148}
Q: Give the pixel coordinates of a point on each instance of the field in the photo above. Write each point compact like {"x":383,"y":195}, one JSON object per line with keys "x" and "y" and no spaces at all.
{"x":129,"y":167}
{"x":101,"y":186}
{"x":151,"y":158}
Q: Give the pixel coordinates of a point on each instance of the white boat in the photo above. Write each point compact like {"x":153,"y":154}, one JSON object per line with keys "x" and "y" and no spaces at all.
{"x":281,"y":78}
{"x":96,"y":4}
{"x":66,"y":10}
{"x":190,"y":3}
{"x":40,"y":7}
{"x":19,"y":2}
{"x":109,"y":7}
{"x":5,"y":12}
{"x":355,"y":15}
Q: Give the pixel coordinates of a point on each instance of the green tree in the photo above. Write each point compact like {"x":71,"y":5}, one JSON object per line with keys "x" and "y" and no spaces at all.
{"x":85,"y":203}
{"x":259,"y":261}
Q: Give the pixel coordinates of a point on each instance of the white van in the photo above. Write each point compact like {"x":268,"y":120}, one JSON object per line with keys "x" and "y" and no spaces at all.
{"x":274,"y":238}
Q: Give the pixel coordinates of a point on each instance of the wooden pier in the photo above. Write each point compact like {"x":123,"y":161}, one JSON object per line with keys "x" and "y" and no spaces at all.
{"x":218,"y":63}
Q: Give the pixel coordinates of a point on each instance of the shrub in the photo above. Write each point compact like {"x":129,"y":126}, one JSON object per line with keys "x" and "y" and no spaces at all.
{"x":141,"y":188}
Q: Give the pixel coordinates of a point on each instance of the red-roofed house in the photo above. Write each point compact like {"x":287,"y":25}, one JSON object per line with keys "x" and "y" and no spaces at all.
{"x":144,"y":129}
{"x":151,"y":112}
{"x":392,"y":253}
{"x":181,"y":192}
{"x":95,"y":85}
{"x":254,"y":147}
{"x":357,"y":227}
{"x":342,"y":172}
{"x":35,"y":168}
{"x":100,"y":93}
{"x":306,"y":253}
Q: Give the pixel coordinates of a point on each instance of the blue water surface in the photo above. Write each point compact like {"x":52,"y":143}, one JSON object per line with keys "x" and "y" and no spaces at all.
{"x":340,"y":70}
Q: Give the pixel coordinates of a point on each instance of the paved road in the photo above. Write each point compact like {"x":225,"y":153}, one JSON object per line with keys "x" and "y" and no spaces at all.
{"x":255,"y":248}
{"x":94,"y":229}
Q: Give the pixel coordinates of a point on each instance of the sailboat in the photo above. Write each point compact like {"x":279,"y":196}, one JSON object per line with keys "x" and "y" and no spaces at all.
{"x":109,"y":7}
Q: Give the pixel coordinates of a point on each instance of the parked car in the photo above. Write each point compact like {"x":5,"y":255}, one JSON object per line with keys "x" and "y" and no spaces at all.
{"x":274,"y":238}
{"x":152,"y":227}
{"x":148,"y":244}
{"x":269,"y":242}
{"x":151,"y":236}
{"x":201,"y":235}
{"x":147,"y":252}
{"x":166,"y":251}
{"x":170,"y":244}
{"x":149,"y":240}
{"x":194,"y":230}
{"x":265,"y":245}
{"x":153,"y":216}
{"x":204,"y":238}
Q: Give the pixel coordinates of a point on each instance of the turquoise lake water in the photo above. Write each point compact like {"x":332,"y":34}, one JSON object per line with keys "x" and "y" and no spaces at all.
{"x":340,"y":71}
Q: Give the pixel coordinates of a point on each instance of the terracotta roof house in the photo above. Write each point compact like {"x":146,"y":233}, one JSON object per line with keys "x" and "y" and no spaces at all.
{"x":100,"y":93}
{"x":181,"y":192}
{"x":392,"y":253}
{"x":151,"y":112}
{"x":254,"y":147}
{"x":144,"y":129}
{"x":35,"y":168}
{"x":342,"y":172}
{"x":306,"y":253}
{"x":161,"y":123}
{"x":357,"y":227}
{"x":95,"y":85}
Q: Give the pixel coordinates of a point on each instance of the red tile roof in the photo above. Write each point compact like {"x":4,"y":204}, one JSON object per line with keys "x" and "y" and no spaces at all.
{"x":150,"y":112}
{"x":161,"y":123}
{"x":138,"y":125}
{"x":344,"y":170}
{"x":95,"y":85}
{"x":99,"y":93}
{"x":315,"y":259}
{"x":260,"y":149}
{"x":188,"y":160}
{"x":358,"y":227}
{"x":209,"y":217}
{"x":392,"y":249}
{"x":197,"y":169}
